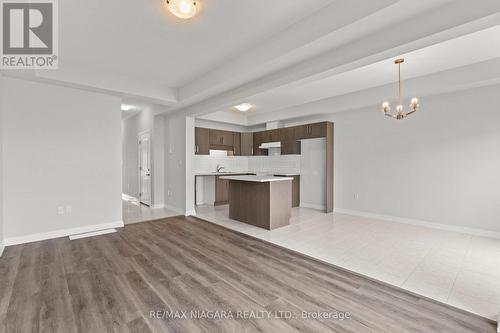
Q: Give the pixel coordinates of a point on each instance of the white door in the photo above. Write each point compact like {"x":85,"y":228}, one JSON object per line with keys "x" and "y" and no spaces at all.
{"x":145,"y":168}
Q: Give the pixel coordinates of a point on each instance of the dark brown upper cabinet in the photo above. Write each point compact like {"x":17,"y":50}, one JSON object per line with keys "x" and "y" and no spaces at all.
{"x":221,"y":138}
{"x":311,"y":131}
{"x":258,"y":139}
{"x":289,"y":143}
{"x":236,"y":144}
{"x":287,"y":134}
{"x":290,"y":148}
{"x":246,"y":144}
{"x":271,"y":135}
{"x":201,"y":141}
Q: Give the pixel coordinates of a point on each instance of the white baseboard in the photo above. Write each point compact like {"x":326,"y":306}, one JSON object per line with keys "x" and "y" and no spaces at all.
{"x":190,"y":212}
{"x":2,"y":247}
{"x":434,"y":225}
{"x":312,"y":206}
{"x":60,"y":233}
{"x":129,"y":197}
{"x":175,"y":209}
{"x":92,"y":234}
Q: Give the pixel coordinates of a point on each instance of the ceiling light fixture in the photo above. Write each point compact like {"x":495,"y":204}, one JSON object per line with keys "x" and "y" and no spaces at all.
{"x":126,"y":107}
{"x":243,"y":107}
{"x":400,"y":113}
{"x":183,"y":9}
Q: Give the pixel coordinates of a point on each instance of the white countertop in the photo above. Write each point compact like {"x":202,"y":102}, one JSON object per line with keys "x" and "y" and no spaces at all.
{"x":270,"y":173}
{"x":213,"y":173}
{"x":257,"y":179}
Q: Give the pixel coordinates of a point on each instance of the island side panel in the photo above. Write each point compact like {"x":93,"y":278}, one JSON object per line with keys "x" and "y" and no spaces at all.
{"x":280,"y":203}
{"x":249,"y":202}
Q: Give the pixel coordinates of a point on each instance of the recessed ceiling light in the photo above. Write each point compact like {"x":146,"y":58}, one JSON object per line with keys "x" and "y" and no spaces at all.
{"x":243,"y":107}
{"x":183,"y":9}
{"x":126,"y":107}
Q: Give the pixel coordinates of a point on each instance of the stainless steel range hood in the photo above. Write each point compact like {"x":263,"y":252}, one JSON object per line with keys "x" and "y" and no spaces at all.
{"x":267,"y":145}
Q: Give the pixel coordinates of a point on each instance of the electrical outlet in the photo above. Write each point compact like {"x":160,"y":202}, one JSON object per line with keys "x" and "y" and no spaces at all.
{"x":60,"y":210}
{"x":356,"y":196}
{"x":169,"y":193}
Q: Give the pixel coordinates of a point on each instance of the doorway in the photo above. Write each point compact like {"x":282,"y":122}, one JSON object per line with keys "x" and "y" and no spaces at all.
{"x":145,"y":168}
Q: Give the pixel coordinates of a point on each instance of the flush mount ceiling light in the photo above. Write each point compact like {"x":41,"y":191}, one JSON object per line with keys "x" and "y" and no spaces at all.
{"x":400,"y":113}
{"x":243,"y":107}
{"x":183,"y":9}
{"x":126,"y":107}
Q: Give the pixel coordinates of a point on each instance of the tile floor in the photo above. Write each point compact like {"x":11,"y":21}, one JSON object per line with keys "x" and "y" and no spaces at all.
{"x":457,"y":269}
{"x":133,"y":212}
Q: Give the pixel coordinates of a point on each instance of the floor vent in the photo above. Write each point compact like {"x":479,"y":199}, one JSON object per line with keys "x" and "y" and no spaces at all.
{"x":91,"y":234}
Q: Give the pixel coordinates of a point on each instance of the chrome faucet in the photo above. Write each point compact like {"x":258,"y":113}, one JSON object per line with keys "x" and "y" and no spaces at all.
{"x":219,"y":168}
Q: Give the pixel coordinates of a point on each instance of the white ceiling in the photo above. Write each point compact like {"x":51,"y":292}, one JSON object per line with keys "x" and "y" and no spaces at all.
{"x":279,"y":55}
{"x":469,"y":49}
{"x":142,"y":40}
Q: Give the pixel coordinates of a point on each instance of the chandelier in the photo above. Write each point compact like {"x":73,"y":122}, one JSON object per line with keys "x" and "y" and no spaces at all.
{"x":400,"y":113}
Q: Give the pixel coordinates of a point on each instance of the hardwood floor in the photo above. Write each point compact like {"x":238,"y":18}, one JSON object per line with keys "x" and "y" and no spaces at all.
{"x":113,"y":283}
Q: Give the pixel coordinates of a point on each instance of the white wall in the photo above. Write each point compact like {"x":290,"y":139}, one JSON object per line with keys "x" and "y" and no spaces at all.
{"x":131,"y":127}
{"x":175,"y":160}
{"x":1,"y":168}
{"x":62,"y":147}
{"x":439,"y":166}
{"x":159,"y":161}
{"x":190,"y":165}
{"x":219,"y":125}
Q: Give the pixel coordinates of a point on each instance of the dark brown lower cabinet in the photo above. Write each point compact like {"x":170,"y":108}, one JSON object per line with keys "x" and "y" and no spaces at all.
{"x":221,"y":191}
{"x":296,"y":191}
{"x":262,"y":204}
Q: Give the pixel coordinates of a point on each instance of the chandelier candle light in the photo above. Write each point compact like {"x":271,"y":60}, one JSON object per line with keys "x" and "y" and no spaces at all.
{"x":400,"y":113}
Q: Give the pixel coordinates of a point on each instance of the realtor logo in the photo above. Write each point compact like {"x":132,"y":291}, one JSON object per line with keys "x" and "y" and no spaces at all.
{"x":29,"y":34}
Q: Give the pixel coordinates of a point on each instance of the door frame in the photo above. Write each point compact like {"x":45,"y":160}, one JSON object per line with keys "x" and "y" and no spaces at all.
{"x":139,"y":178}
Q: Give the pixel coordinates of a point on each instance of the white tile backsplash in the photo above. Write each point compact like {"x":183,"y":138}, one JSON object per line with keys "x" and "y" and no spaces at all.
{"x":258,"y":164}
{"x":276,"y":163}
{"x":206,"y":163}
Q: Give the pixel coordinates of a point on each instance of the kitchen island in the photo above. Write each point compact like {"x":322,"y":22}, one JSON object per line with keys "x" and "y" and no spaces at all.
{"x":262,"y":201}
